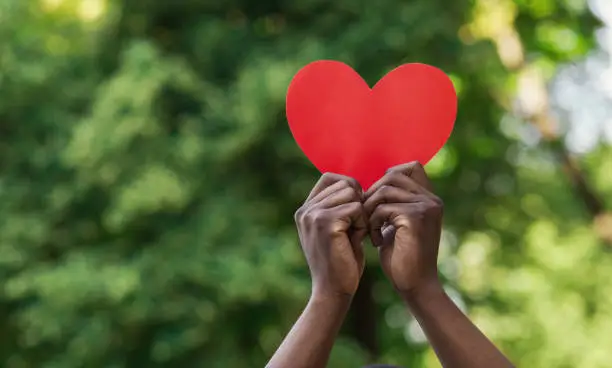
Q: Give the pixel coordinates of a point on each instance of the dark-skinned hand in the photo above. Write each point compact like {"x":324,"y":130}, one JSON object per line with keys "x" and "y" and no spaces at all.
{"x":405,"y":222}
{"x":331,"y":226}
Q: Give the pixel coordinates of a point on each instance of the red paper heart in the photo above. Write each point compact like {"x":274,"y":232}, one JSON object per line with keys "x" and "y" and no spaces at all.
{"x":345,"y":127}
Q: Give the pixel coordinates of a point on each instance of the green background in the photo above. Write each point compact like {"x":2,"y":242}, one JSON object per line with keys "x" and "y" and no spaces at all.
{"x":148,"y":181}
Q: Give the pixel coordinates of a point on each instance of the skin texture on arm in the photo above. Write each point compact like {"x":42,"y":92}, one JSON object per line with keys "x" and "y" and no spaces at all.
{"x":311,"y":339}
{"x":456,"y":340}
{"x":331,"y":226}
{"x":405,"y":223}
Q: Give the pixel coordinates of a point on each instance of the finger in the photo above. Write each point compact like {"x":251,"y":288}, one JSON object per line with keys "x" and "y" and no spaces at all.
{"x":389,"y":212}
{"x":388,"y":234}
{"x":347,"y":216}
{"x":393,"y":214}
{"x":340,"y":197}
{"x":416,"y":171}
{"x":386,"y":194}
{"x":330,"y":190}
{"x":396,"y":179}
{"x":379,"y":217}
{"x":329,"y":179}
{"x":358,"y":228}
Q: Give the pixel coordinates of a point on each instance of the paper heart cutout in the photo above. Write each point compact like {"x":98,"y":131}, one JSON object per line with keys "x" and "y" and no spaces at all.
{"x":345,"y":127}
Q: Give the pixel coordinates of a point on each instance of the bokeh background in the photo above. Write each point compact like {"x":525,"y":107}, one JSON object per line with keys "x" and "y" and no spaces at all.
{"x":148,"y":178}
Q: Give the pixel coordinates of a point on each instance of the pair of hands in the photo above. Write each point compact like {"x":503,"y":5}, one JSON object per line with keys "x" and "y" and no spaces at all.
{"x":404,"y":220}
{"x":400,"y":214}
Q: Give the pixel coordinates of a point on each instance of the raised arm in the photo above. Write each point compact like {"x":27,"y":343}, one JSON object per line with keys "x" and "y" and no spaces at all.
{"x":331,"y":226}
{"x":405,"y":221}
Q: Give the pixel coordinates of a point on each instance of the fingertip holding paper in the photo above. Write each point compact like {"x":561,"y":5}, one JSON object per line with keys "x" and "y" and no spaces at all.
{"x":344,"y":126}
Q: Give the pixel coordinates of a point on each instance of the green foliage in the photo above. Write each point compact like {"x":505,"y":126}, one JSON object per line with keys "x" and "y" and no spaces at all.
{"x":149,"y":180}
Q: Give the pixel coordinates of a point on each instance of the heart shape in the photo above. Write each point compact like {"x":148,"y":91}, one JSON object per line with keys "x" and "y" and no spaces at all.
{"x":345,"y":127}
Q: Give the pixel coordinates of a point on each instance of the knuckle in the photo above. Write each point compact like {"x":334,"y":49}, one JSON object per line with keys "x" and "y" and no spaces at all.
{"x":327,"y":178}
{"x":398,"y":177}
{"x":298,"y":215}
{"x":345,"y":182}
{"x":413,"y":166}
{"x":354,"y":183}
{"x":405,"y":167}
{"x":435,"y":206}
{"x":316,"y":218}
{"x":351,"y":182}
{"x":307,"y":216}
{"x":391,"y":171}
{"x":385,"y":191}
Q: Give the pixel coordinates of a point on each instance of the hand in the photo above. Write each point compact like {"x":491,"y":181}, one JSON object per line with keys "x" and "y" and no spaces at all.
{"x":405,"y":222}
{"x":331,"y":226}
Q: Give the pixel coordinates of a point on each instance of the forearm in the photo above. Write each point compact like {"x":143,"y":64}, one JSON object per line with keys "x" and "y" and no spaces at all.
{"x":456,"y":340}
{"x":309,"y":343}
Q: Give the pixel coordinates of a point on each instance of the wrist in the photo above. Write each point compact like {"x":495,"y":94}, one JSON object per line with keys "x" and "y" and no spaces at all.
{"x":423,"y":293}
{"x":330,"y":297}
{"x":336,"y":305}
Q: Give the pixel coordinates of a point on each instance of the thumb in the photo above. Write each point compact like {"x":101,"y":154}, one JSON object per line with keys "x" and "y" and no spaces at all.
{"x":384,"y":236}
{"x":388,"y":235}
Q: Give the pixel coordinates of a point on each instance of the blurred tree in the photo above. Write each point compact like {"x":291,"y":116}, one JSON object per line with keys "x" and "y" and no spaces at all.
{"x":149,"y":180}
